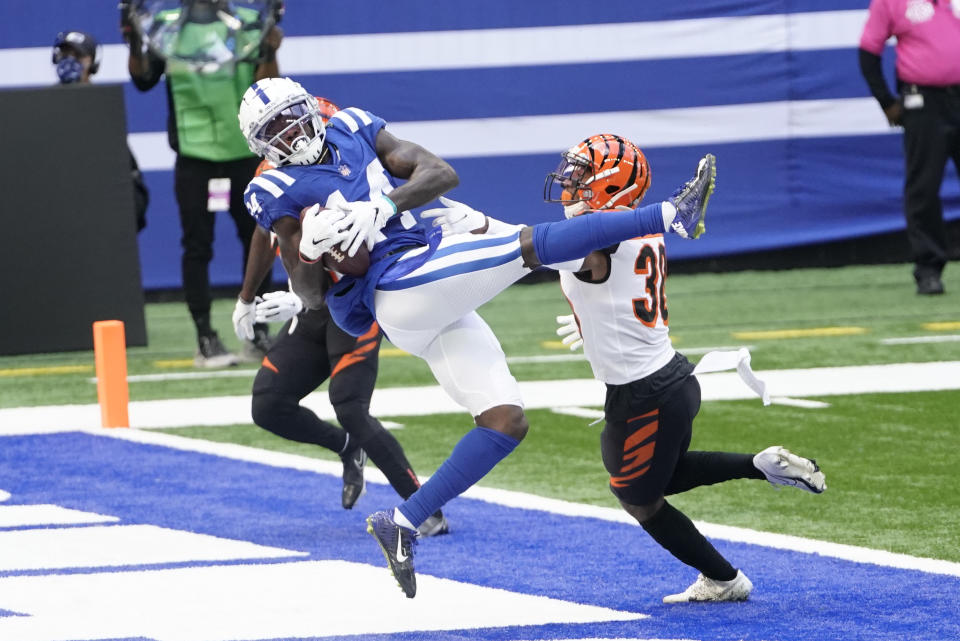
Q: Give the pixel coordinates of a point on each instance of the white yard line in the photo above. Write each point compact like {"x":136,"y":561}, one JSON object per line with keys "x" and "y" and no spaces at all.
{"x":914,"y":340}
{"x":416,"y":401}
{"x":799,"y":402}
{"x":248,"y":372}
{"x":555,"y":506}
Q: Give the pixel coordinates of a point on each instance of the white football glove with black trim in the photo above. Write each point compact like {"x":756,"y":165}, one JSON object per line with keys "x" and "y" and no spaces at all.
{"x":320,"y":230}
{"x":570,"y":332}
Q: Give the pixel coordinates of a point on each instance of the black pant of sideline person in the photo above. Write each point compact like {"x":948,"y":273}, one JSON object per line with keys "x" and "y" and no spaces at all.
{"x":191,"y":184}
{"x":931,"y":124}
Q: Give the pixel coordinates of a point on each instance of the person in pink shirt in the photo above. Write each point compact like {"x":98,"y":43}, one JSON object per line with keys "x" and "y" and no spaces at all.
{"x":928,"y":108}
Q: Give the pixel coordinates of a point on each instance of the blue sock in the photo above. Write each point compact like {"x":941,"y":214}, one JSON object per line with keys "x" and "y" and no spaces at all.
{"x":575,"y":238}
{"x":477,"y":452}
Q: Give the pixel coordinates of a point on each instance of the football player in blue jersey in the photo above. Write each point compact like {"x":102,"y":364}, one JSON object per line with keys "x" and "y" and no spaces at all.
{"x":421,"y":287}
{"x":310,"y":349}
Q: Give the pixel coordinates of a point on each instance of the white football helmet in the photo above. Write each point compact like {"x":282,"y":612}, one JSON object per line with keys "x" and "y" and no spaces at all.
{"x":282,"y":122}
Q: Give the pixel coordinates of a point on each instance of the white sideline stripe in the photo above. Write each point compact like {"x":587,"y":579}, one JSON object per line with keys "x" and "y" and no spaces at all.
{"x":479,"y":48}
{"x":43,"y":514}
{"x":545,"y":134}
{"x":522,"y":500}
{"x":799,"y":402}
{"x":248,"y":372}
{"x":911,"y":340}
{"x":580,"y":412}
{"x":431,"y":399}
{"x":245,"y":372}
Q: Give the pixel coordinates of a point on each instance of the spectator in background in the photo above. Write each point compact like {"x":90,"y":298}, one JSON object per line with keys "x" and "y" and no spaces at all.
{"x":77,"y":57}
{"x":213,"y":163}
{"x":928,"y":109}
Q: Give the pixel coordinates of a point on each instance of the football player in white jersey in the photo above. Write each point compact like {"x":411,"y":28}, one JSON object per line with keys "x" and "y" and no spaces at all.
{"x":422,"y":287}
{"x":620,"y":313}
{"x":620,"y":317}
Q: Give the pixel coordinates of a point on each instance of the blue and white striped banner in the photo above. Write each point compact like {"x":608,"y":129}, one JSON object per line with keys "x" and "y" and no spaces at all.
{"x":772,"y":88}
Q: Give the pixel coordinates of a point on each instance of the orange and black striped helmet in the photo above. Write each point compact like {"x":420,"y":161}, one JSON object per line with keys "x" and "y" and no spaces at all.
{"x":602,"y":172}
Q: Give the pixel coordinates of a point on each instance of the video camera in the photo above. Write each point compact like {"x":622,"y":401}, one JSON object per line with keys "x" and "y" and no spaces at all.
{"x":203,"y":35}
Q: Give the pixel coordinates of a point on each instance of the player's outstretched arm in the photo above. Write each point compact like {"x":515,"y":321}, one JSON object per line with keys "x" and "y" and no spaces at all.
{"x":566,"y":240}
{"x":427,"y":177}
{"x":259,"y":263}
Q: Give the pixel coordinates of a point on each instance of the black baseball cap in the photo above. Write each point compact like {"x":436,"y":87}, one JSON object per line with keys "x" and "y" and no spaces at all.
{"x":79,"y":41}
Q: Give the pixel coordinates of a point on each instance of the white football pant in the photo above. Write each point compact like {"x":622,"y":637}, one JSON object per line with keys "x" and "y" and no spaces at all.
{"x":430,"y":313}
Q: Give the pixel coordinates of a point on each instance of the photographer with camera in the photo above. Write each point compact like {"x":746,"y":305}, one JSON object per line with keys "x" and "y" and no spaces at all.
{"x":209,"y":51}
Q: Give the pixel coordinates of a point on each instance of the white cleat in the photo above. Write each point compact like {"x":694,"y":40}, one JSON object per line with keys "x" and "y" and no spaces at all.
{"x":703,"y":589}
{"x":782,"y":467}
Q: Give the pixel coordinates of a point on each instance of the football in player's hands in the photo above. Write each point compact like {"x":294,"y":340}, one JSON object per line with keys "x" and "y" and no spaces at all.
{"x":337,"y":260}
{"x":321,"y":241}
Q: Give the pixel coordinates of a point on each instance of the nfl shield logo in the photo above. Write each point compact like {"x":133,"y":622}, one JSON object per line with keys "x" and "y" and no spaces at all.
{"x":344,"y":170}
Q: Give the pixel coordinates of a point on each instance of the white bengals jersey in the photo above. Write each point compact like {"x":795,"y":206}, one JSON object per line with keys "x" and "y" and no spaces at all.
{"x":623,"y":320}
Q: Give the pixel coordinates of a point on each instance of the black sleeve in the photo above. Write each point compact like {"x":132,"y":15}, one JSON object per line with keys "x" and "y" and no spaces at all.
{"x":152,"y":77}
{"x":872,"y":70}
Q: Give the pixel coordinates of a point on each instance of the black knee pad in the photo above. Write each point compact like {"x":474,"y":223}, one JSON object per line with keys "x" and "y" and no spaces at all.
{"x":273,"y":411}
{"x":355,"y":418}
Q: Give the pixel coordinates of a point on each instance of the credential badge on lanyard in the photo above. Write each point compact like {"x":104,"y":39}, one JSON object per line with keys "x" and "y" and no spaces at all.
{"x":218,"y":194}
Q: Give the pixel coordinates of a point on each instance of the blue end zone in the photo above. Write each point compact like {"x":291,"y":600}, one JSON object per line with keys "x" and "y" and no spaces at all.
{"x":797,"y":596}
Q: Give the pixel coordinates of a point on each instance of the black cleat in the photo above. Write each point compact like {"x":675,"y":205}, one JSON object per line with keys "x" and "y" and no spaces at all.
{"x":354,"y":485}
{"x":397,"y":544}
{"x":435,"y":525}
{"x":929,"y":285}
{"x":212,"y":353}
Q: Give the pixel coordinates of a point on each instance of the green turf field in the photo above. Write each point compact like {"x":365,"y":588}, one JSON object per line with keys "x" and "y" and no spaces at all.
{"x":888,"y":457}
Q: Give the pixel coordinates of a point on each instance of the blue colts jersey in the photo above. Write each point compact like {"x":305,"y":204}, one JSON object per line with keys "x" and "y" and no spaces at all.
{"x":351,"y":172}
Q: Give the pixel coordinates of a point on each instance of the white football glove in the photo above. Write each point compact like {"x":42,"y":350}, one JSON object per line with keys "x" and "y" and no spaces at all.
{"x":319,"y":231}
{"x":243,"y":313}
{"x":455,"y":218}
{"x":362,"y":220}
{"x":570,"y":332}
{"x":278,"y":307}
